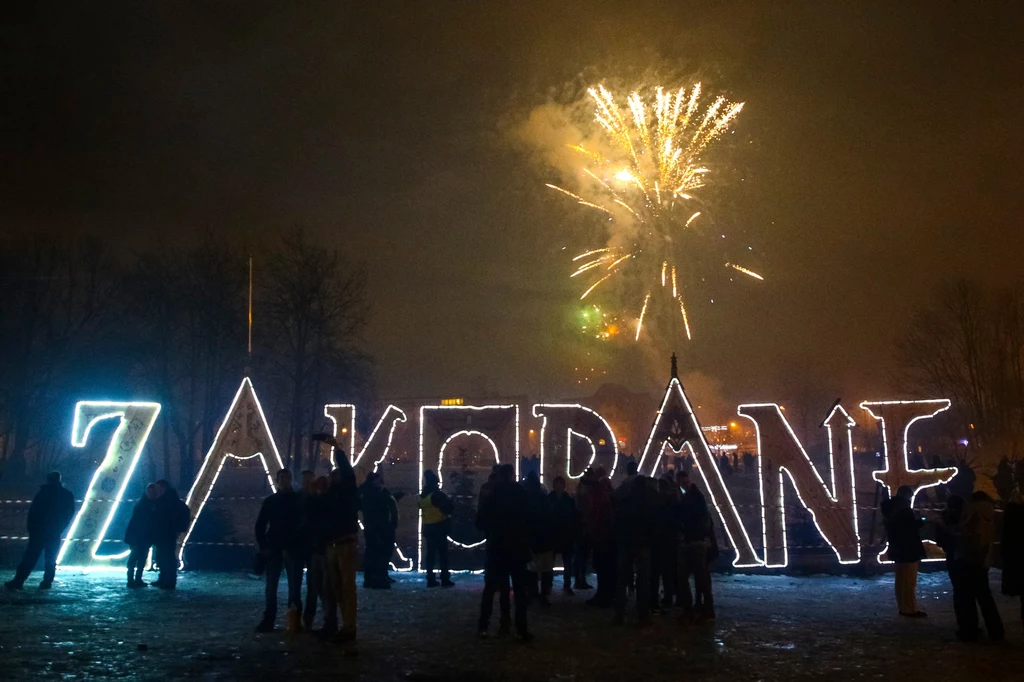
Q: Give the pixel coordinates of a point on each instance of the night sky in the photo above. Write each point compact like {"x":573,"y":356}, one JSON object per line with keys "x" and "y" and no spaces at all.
{"x":879,"y":153}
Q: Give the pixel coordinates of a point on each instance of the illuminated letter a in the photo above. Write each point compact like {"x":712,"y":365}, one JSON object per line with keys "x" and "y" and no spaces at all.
{"x":243,"y":434}
{"x":676,"y":426}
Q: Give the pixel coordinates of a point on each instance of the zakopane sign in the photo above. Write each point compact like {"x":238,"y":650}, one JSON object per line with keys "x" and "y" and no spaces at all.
{"x":829,"y":496}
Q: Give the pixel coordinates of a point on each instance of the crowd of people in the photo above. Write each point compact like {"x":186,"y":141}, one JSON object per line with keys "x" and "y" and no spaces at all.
{"x":156,"y":522}
{"x":966,"y":532}
{"x":645,"y":540}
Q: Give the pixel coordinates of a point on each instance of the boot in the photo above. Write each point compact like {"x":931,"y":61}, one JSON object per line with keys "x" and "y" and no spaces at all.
{"x":294,"y":621}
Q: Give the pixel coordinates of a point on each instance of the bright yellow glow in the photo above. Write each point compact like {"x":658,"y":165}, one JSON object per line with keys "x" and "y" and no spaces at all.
{"x":749,"y":273}
{"x":650,"y":167}
{"x":643,"y":311}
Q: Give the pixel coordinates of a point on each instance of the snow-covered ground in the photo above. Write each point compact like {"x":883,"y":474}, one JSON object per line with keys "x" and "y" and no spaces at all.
{"x":768,"y":628}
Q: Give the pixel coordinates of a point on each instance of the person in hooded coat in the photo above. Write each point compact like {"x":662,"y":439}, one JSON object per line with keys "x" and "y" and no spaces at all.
{"x":436,"y":509}
{"x":380,"y":519}
{"x":139,"y":535}
{"x":565,"y":528}
{"x":903,"y":531}
{"x":504,"y":518}
{"x":171,"y":519}
{"x":48,"y":517}
{"x":977,"y":533}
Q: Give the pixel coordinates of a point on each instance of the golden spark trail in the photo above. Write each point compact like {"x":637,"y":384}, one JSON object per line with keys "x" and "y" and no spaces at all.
{"x":647,"y":163}
{"x":749,"y":273}
{"x":686,"y":322}
{"x":590,"y":253}
{"x":594,"y":286}
{"x":592,"y":264}
{"x":577,"y":198}
{"x":643,"y":311}
{"x":619,"y":260}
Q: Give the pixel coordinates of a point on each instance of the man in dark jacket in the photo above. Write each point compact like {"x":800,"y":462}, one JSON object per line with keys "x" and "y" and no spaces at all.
{"x":977,"y":534}
{"x":503,"y":517}
{"x":599,"y":532}
{"x":380,"y":519}
{"x":279,"y":539}
{"x":317,"y":588}
{"x":1013,"y":550}
{"x":171,"y":518}
{"x":542,"y":542}
{"x":635,"y":504}
{"x":663,"y":548}
{"x":341,"y":511}
{"x":903,"y":531}
{"x":436,"y":509}
{"x":48,"y":518}
{"x":565,"y":523}
{"x":139,"y":535}
{"x":694,"y":532}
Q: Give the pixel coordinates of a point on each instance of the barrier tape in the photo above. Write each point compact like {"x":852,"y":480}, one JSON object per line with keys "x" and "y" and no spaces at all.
{"x":251,"y":545}
{"x":920,"y":507}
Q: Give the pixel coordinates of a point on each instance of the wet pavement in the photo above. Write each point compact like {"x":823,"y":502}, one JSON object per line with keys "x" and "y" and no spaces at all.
{"x":768,"y":628}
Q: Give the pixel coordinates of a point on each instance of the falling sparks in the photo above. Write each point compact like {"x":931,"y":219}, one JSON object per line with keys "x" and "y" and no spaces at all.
{"x":686,"y":322}
{"x":643,"y":311}
{"x":599,"y":323}
{"x":745,"y":271}
{"x":652,"y":169}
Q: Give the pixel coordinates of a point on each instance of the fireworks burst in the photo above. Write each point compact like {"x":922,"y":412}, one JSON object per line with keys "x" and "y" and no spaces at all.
{"x":599,"y":323}
{"x":649,"y":177}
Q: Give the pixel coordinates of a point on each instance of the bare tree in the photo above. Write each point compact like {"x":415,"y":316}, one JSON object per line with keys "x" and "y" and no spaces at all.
{"x":190,"y":346}
{"x":315,"y":307}
{"x":58,"y":314}
{"x":968,"y":346}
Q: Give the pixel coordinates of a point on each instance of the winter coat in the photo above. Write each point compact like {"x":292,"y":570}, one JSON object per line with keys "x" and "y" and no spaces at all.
{"x":505,"y":522}
{"x":51,"y":511}
{"x":171,"y":518}
{"x":1013,"y":549}
{"x":538,"y":509}
{"x":565,"y":519}
{"x":316,"y":524}
{"x":141,"y":526}
{"x":341,"y":511}
{"x":278,"y":525}
{"x":903,"y":531}
{"x":691,"y":518}
{"x":636,"y":503}
{"x":978,"y":532}
{"x":597,"y":520}
{"x":436,"y":507}
{"x":379,"y":510}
